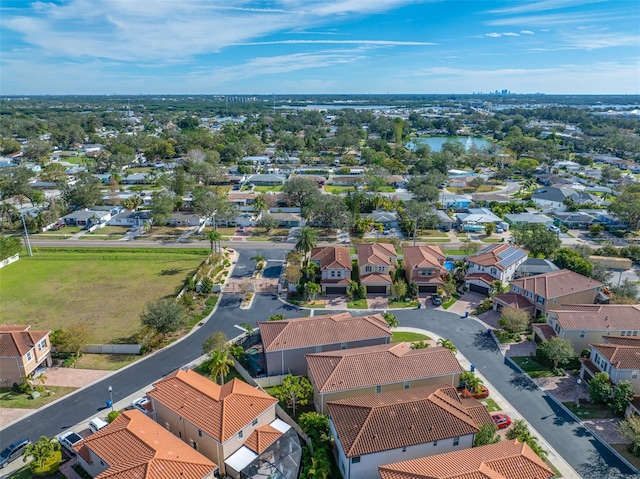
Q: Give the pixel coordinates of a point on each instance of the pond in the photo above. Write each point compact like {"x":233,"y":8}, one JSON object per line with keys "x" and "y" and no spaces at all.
{"x":436,"y":142}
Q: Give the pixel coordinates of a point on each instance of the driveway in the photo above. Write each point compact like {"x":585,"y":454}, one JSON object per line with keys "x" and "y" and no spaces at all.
{"x":378,"y":302}
{"x":336,"y":302}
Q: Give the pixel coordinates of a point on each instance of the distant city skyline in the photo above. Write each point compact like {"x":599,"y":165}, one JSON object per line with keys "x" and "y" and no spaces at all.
{"x":97,"y":47}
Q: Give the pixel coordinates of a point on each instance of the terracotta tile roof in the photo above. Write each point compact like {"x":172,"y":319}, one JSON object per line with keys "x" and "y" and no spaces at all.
{"x":16,"y":339}
{"x":546,"y":331}
{"x":625,"y":341}
{"x":377,"y":254}
{"x":383,"y":364}
{"x":381,"y":422}
{"x":261,"y":438}
{"x":590,"y":365}
{"x":376,"y":278}
{"x":503,"y":460}
{"x":484,"y":277}
{"x":220,"y":411}
{"x":423,"y":256}
{"x":477,"y":411}
{"x":502,"y":256}
{"x":317,"y":330}
{"x":135,"y":446}
{"x":332,"y":257}
{"x":620,"y":357}
{"x":513,"y":300}
{"x":599,"y":317}
{"x":556,"y":283}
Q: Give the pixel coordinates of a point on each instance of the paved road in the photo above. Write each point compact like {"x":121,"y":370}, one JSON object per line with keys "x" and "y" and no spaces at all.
{"x":578,"y":447}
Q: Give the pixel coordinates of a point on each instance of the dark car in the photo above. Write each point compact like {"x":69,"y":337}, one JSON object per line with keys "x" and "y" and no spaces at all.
{"x":502,"y":420}
{"x":13,"y":451}
{"x":436,"y":299}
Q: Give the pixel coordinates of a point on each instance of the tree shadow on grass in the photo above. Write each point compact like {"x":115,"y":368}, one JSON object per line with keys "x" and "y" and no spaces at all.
{"x":169,"y":272}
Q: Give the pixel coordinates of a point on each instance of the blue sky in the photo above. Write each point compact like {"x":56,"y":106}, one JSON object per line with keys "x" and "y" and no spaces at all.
{"x":318,"y":46}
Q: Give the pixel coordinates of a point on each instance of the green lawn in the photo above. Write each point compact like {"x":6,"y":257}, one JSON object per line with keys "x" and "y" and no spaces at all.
{"x":436,"y":233}
{"x":403,"y":304}
{"x":447,"y":304}
{"x":453,"y":251}
{"x":491,"y":405}
{"x":105,"y":362}
{"x":265,"y":189}
{"x":67,"y":230}
{"x":336,"y":190}
{"x":491,"y":240}
{"x":435,"y":240}
{"x":357,"y":304}
{"x":10,"y":399}
{"x":25,"y":473}
{"x":384,"y":189}
{"x":315,"y":304}
{"x":537,"y":370}
{"x":405,"y":336}
{"x":586,"y":410}
{"x":108,"y":230}
{"x":105,"y":288}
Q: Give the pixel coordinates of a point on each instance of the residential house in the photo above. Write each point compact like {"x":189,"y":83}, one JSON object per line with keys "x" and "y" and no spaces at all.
{"x":289,"y":220}
{"x":320,"y":180}
{"x":137,"y":179}
{"x":477,"y":216}
{"x":396,"y":181}
{"x":523,"y":219}
{"x":534,"y":266}
{"x":242,"y":199}
{"x":348,"y":373}
{"x":133,"y":445}
{"x":22,"y":351}
{"x":334,"y":263}
{"x":424,"y":265}
{"x":574,"y":220}
{"x":286,"y":342}
{"x":554,"y":197}
{"x":257,"y":160}
{"x":585,"y":324}
{"x":266,"y":180}
{"x":376,"y":262}
{"x":388,"y":219}
{"x":248,"y":219}
{"x":131,"y":218}
{"x":455,"y":202}
{"x":344,"y":180}
{"x":87,"y":217}
{"x":502,"y":460}
{"x":497,"y":262}
{"x":544,"y":292}
{"x":443,"y":220}
{"x":182,"y":219}
{"x":619,"y":357}
{"x":379,"y":429}
{"x":214,"y":420}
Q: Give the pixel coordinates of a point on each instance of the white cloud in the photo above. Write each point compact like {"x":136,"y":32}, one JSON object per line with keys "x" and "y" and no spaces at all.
{"x":338,"y":42}
{"x":494,"y":35}
{"x":547,"y":20}
{"x":527,"y":32}
{"x":542,"y":6}
{"x":511,"y":34}
{"x":503,"y":34}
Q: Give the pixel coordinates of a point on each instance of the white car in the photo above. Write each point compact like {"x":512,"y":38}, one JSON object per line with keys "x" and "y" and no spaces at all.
{"x":69,"y":439}
{"x":140,"y":404}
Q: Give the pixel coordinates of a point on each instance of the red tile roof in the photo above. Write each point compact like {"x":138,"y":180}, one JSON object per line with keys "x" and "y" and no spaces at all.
{"x":620,"y":356}
{"x":503,"y":460}
{"x":625,"y":341}
{"x":546,"y":331}
{"x":16,"y":340}
{"x":381,"y":422}
{"x":383,"y":364}
{"x":425,"y":256}
{"x":317,"y":330}
{"x":332,"y":257}
{"x":484,"y":277}
{"x":220,"y":411}
{"x":376,"y":278}
{"x":261,"y":438}
{"x":599,"y":317}
{"x":377,"y":254}
{"x":556,"y":283}
{"x":513,"y":300}
{"x":135,"y":446}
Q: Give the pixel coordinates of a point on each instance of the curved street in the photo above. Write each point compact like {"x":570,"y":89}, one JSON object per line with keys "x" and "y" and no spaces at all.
{"x":574,"y":443}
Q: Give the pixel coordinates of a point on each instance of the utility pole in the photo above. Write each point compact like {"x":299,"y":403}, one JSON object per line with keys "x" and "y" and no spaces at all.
{"x":26,"y":236}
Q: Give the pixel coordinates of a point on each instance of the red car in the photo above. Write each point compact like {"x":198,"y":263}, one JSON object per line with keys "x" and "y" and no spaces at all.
{"x":482,"y":393}
{"x":502,"y":420}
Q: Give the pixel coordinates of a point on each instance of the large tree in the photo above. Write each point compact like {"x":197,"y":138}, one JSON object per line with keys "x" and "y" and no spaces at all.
{"x":295,"y":391}
{"x":84,"y":193}
{"x":164,"y":315}
{"x":627,"y":206}
{"x":300,"y":191}
{"x":556,"y":350}
{"x":331,"y":212}
{"x":514,"y":320}
{"x":537,"y":239}
{"x":571,"y":259}
{"x":630,"y":430}
{"x":9,"y":245}
{"x":220,"y":363}
{"x":425,"y":188}
{"x":307,"y":240}
{"x":162,"y":205}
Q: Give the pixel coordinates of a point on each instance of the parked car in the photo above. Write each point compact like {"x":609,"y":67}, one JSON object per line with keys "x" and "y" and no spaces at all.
{"x":436,"y":299}
{"x":13,"y":451}
{"x":499,"y":229}
{"x":57,"y":226}
{"x":481,"y":394}
{"x":97,"y":423}
{"x":502,"y":420}
{"x":140,"y":404}
{"x":68,"y":440}
{"x":553,"y":229}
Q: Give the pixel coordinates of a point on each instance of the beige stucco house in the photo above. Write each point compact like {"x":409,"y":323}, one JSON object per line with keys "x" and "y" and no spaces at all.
{"x":619,"y":357}
{"x":376,"y":263}
{"x":334,"y":263}
{"x":21,"y":352}
{"x":424,"y":265}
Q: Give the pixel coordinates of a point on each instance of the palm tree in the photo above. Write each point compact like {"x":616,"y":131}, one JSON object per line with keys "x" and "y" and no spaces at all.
{"x":460,"y":268}
{"x":41,"y":450}
{"x":306,"y":241}
{"x":220,"y":364}
{"x":472,"y":382}
{"x":310,"y":270}
{"x":352,"y":288}
{"x":391,"y":320}
{"x":259,"y":204}
{"x":446,"y":343}
{"x":214,"y":238}
{"x":260,"y":260}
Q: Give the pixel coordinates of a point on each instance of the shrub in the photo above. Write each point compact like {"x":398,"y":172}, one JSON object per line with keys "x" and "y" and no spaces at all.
{"x":50,"y":465}
{"x":112,"y":416}
{"x":585,"y":353}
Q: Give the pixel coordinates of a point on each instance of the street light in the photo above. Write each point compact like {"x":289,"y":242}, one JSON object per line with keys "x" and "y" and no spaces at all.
{"x":577,"y":399}
{"x":111,"y":396}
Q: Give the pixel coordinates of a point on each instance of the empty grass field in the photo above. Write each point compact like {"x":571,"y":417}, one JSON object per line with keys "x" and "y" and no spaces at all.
{"x":106,"y":289}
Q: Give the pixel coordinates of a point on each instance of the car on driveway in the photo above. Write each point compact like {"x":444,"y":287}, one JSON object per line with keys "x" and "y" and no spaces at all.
{"x":69,"y":439}
{"x":141,"y":404}
{"x":436,"y":299}
{"x":502,"y":420}
{"x":481,"y":393}
{"x":13,"y":451}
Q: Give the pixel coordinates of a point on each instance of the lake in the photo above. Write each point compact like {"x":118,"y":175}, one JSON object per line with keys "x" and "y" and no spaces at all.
{"x":436,"y":142}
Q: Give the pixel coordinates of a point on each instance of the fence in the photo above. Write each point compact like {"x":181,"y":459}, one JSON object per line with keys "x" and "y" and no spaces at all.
{"x":269,"y":381}
{"x":249,"y":340}
{"x":9,"y":260}
{"x":112,"y":349}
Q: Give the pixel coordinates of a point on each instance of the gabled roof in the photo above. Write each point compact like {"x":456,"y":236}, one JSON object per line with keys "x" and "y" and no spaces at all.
{"x":620,"y":356}
{"x":425,"y":256}
{"x":503,"y":460}
{"x":318,"y":330}
{"x":135,"y":446}
{"x":375,"y":278}
{"x":556,"y":283}
{"x":502,"y":256}
{"x":624,"y":341}
{"x":381,"y":422}
{"x":599,"y":317}
{"x":219,"y":411}
{"x":514,"y":300}
{"x":484,"y":277}
{"x":383,"y":364}
{"x":332,"y":257}
{"x":16,"y":340}
{"x":376,"y":253}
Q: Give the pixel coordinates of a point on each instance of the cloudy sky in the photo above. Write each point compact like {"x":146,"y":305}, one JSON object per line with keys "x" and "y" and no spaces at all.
{"x":318,"y":46}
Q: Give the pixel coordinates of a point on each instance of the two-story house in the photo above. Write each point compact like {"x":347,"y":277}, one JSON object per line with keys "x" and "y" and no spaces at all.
{"x":334,"y":263}
{"x":619,"y":357}
{"x":286,"y":342}
{"x":133,"y":445}
{"x":587,"y":324}
{"x":497,"y":262}
{"x":357,"y":372}
{"x":378,"y":429}
{"x":502,"y":460}
{"x":376,"y":261}
{"x":214,"y":420}
{"x":544,"y":292}
{"x":21,"y":352}
{"x":424,"y":265}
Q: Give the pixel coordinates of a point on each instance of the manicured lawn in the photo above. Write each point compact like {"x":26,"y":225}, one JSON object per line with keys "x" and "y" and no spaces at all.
{"x":406,"y":336}
{"x":436,"y":233}
{"x":403,"y":304}
{"x":67,"y":230}
{"x":537,"y":370}
{"x":357,"y":304}
{"x":107,"y":230}
{"x":105,"y":289}
{"x":385,"y":189}
{"x":454,"y":251}
{"x":491,"y":405}
{"x":586,"y":410}
{"x":449,"y":302}
{"x":106,"y":362}
{"x":8,"y":398}
{"x":264,"y":189}
{"x":336,"y":190}
{"x":491,"y":240}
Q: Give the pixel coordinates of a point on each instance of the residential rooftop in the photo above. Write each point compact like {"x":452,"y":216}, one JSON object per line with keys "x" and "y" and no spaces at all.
{"x":556,"y":283}
{"x":599,"y":317}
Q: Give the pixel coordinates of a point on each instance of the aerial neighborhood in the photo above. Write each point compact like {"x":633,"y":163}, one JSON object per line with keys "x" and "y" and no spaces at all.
{"x":366,"y":288}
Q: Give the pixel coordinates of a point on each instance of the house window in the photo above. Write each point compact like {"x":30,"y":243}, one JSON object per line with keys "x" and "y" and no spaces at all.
{"x":407,"y":384}
{"x":380,"y":269}
{"x":634,"y":374}
{"x":200,"y":432}
{"x":635,"y":333}
{"x":333,"y":274}
{"x":456,"y":440}
{"x":355,"y":460}
{"x":318,"y":349}
{"x":194,"y":444}
{"x":42,"y":344}
{"x":583,"y":334}
{"x":339,"y":274}
{"x":254,"y":422}
{"x":343,"y":345}
{"x":240,"y":435}
{"x":435,"y":443}
{"x":540,"y":300}
{"x":378,"y":389}
{"x":28,"y":355}
{"x":367,"y":269}
{"x":494,"y":271}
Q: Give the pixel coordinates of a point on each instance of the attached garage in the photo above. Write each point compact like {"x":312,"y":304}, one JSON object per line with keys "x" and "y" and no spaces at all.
{"x":479,"y":289}
{"x":377,"y":289}
{"x":428,"y":288}
{"x":336,"y":290}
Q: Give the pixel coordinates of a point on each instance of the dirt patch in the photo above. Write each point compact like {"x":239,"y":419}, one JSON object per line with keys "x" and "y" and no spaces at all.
{"x":563,"y":388}
{"x":73,"y":377}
